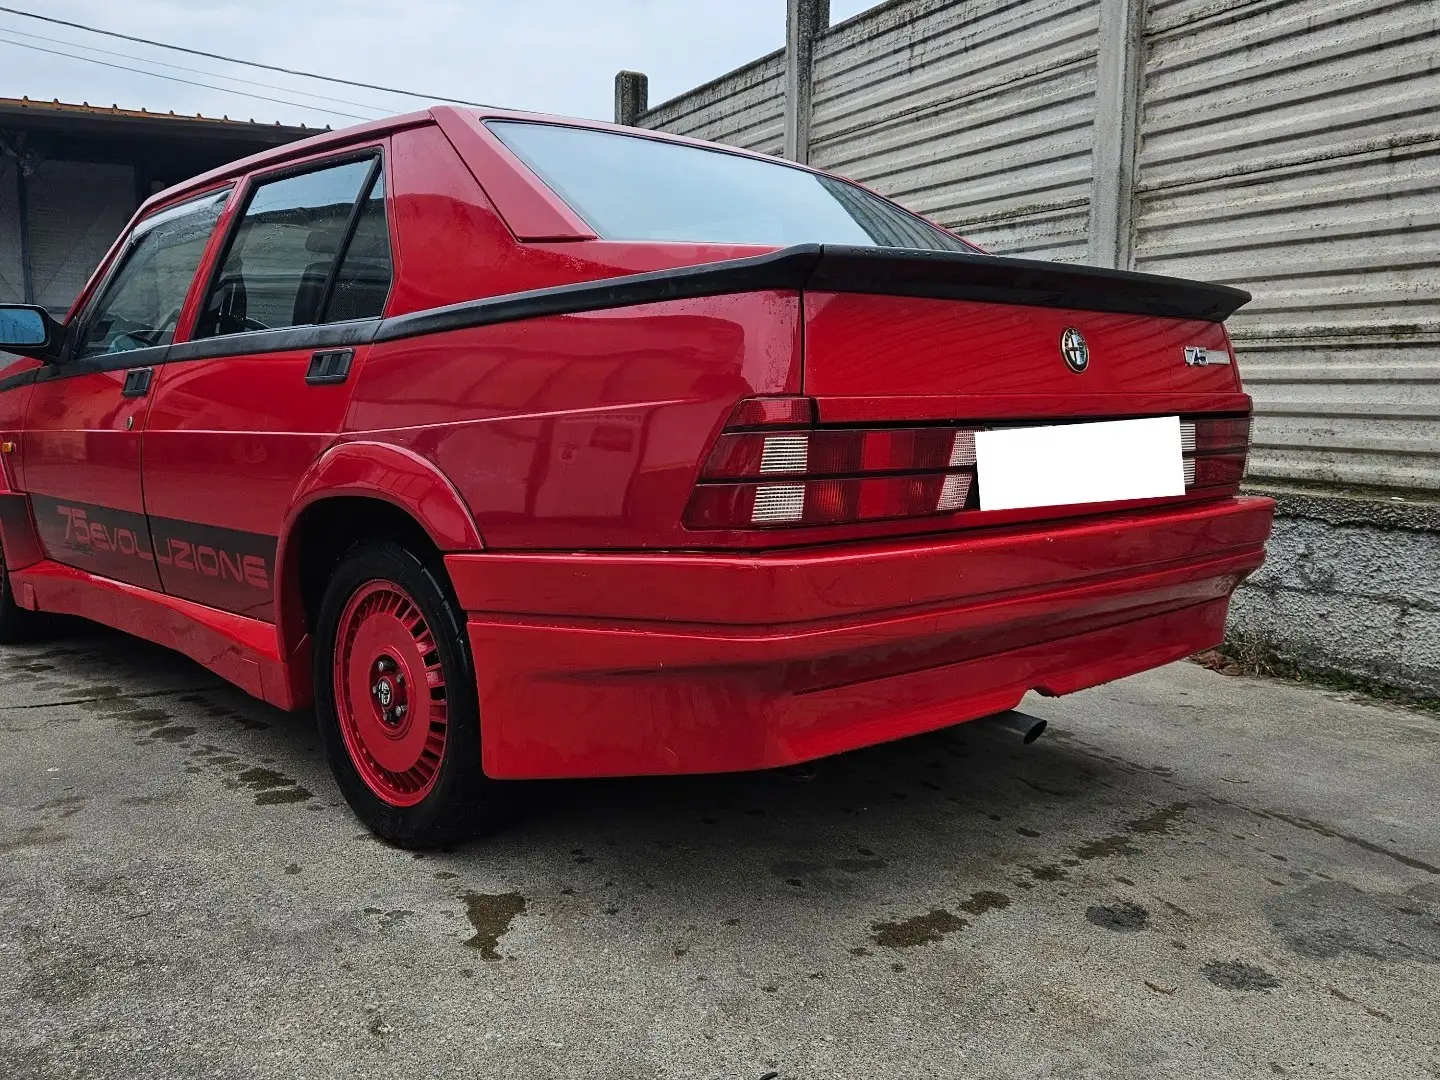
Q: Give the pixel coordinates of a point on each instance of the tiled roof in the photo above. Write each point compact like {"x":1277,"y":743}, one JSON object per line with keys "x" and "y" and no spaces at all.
{"x":58,"y":106}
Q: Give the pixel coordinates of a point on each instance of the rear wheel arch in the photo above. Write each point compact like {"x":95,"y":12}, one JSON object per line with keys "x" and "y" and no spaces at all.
{"x":361,"y":492}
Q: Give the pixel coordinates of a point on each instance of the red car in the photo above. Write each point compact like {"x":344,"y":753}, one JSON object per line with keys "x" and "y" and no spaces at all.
{"x":530,"y":448}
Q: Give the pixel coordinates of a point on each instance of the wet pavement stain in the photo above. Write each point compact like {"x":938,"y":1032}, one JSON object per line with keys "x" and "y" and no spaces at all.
{"x":1160,"y":823}
{"x":918,"y":930}
{"x":491,"y":915}
{"x":68,"y":805}
{"x":1324,"y":920}
{"x":1237,"y":975}
{"x":985,"y":900}
{"x":1377,"y":1013}
{"x":1360,"y":842}
{"x":33,"y":837}
{"x":270,"y":786}
{"x":1125,"y":917}
{"x":61,"y":974}
{"x":860,"y":866}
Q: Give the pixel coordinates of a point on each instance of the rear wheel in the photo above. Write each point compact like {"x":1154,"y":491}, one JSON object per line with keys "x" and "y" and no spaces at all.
{"x":395,"y":700}
{"x":16,"y":623}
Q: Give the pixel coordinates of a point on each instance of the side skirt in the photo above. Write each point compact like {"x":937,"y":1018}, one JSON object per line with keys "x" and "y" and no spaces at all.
{"x":243,"y":651}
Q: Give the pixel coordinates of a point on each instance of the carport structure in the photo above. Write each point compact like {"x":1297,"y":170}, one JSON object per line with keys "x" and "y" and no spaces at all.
{"x":71,"y":176}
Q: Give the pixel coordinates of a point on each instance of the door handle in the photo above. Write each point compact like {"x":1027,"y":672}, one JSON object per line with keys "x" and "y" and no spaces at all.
{"x":331,"y":366}
{"x":137,"y":382}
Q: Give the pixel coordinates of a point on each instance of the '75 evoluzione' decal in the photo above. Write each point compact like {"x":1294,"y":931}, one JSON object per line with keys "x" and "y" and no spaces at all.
{"x":221,"y":568}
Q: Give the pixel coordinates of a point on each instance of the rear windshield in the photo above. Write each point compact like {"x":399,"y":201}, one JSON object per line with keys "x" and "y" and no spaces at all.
{"x":633,"y":188}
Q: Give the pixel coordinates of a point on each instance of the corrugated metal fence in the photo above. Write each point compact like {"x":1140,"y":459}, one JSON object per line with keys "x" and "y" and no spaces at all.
{"x":1291,"y":147}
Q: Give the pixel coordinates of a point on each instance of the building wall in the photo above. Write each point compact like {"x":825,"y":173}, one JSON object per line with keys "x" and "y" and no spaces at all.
{"x":978,"y":115}
{"x":76,"y":210}
{"x":1350,"y":586}
{"x":745,"y":108}
{"x":1293,"y":149}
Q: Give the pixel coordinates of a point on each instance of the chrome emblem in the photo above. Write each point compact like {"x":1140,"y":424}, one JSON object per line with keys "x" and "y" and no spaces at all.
{"x":1074,"y":349}
{"x":1195,"y":356}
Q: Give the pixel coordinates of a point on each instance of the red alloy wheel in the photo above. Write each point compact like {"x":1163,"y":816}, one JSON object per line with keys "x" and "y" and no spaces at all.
{"x":390,"y":693}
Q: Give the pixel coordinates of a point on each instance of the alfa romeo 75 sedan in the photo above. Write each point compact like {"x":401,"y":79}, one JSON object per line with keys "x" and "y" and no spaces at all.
{"x":527,"y":448}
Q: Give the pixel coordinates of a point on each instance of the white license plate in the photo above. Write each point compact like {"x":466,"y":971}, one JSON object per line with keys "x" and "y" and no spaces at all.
{"x":1068,"y":464}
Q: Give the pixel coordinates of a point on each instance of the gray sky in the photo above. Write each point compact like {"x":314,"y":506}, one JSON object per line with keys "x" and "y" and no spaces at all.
{"x":548,"y":55}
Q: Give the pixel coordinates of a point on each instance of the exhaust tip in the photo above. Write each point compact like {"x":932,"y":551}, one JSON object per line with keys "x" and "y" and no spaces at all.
{"x":1029,"y":728}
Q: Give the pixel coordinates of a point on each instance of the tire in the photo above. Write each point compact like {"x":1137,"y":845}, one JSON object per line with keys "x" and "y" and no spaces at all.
{"x":16,"y":623}
{"x":396,"y":702}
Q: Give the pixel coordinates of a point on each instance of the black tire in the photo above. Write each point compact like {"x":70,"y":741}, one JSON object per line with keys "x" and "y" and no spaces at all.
{"x":462,"y":802}
{"x":16,"y":623}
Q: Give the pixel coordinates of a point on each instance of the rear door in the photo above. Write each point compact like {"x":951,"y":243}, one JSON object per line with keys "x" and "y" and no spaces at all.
{"x":80,"y":451}
{"x":262,"y":386}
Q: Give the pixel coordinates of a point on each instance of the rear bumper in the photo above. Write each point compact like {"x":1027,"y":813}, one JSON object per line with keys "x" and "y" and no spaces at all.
{"x":604,"y":665}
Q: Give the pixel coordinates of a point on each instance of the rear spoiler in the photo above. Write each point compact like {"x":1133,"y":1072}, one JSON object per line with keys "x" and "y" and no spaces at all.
{"x":938,"y":275}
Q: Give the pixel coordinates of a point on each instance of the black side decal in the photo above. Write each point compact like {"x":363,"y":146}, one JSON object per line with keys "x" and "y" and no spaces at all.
{"x":220,"y":568}
{"x":105,"y":541}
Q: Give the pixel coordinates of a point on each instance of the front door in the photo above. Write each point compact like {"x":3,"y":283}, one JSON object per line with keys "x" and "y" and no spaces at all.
{"x":262,"y":387}
{"x":80,"y":450}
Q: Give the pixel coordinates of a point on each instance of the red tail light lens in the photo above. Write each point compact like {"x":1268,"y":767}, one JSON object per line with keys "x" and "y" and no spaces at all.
{"x":1215,"y":450}
{"x":774,"y":467}
{"x":781,"y":470}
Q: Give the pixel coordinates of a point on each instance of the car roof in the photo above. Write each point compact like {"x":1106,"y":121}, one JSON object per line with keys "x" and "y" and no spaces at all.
{"x":377,"y":129}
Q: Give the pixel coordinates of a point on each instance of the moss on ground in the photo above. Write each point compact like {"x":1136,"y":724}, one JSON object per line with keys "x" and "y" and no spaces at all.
{"x":1245,"y":654}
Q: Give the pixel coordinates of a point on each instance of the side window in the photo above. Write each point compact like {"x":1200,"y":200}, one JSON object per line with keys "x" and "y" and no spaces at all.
{"x":363,"y":281}
{"x":281,"y":269}
{"x":140,"y":306}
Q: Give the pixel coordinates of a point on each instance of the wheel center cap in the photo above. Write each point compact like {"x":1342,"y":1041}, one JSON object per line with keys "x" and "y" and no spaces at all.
{"x":387,"y":691}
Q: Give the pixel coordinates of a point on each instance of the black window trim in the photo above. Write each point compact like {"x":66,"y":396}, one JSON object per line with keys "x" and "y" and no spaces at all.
{"x":73,"y":328}
{"x":254,"y":182}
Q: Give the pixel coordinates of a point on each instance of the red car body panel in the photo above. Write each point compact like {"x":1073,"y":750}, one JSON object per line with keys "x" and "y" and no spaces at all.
{"x":550,"y":455}
{"x":748,"y":663}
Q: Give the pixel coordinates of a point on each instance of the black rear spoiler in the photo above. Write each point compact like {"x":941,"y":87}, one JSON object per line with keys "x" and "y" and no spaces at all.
{"x":946,"y":275}
{"x":940,"y":275}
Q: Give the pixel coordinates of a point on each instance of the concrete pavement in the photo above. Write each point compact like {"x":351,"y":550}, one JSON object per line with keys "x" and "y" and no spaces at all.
{"x":1190,"y":875}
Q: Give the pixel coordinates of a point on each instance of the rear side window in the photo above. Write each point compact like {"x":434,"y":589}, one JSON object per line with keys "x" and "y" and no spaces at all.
{"x":140,"y":305}
{"x":363,"y":281}
{"x":629,"y":187}
{"x":310,"y":248}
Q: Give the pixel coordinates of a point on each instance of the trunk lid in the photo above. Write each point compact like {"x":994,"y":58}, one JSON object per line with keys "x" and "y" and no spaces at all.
{"x":993,"y":332}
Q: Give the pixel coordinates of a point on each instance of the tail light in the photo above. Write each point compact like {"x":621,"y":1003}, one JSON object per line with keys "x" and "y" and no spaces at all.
{"x":773,"y":466}
{"x":1215,"y":450}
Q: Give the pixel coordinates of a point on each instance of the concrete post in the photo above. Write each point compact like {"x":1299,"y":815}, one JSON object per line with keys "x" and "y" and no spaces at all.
{"x":804,"y":22}
{"x":1117,"y":132}
{"x":632,"y":96}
